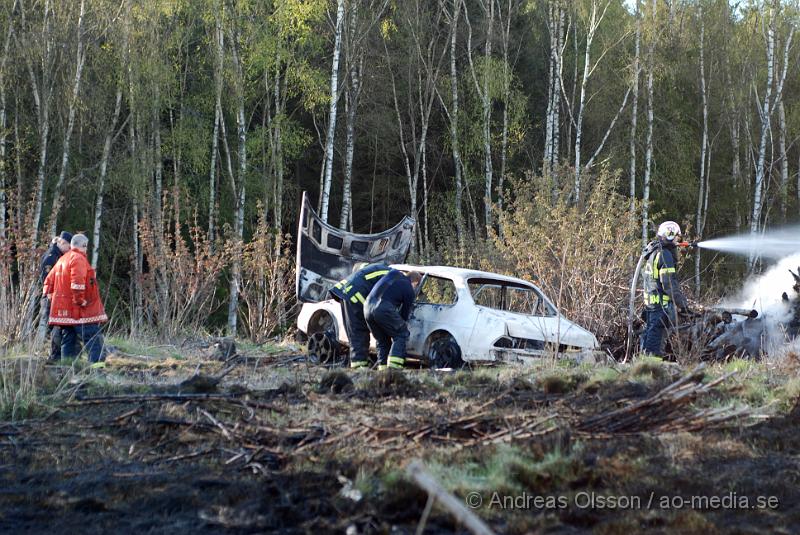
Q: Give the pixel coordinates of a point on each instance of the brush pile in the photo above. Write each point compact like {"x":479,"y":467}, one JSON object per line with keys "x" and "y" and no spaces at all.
{"x":666,"y":411}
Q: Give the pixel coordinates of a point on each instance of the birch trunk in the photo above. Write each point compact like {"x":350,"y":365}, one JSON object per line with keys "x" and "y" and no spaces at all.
{"x":329,"y":140}
{"x":551,"y":74}
{"x":552,"y":121}
{"x":454,"y":124}
{"x":4,"y":133}
{"x":354,"y":63}
{"x":280,"y":102}
{"x":62,"y":175}
{"x":582,"y":102}
{"x":764,"y":112}
{"x":486,"y":102}
{"x":784,"y":193}
{"x":42,"y":96}
{"x":238,"y":225}
{"x":506,"y":33}
{"x":101,"y":182}
{"x":212,"y":178}
{"x":702,"y":195}
{"x":648,"y":156}
{"x":635,"y":107}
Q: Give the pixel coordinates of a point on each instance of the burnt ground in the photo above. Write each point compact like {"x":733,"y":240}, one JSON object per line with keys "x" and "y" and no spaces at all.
{"x":280,"y":446}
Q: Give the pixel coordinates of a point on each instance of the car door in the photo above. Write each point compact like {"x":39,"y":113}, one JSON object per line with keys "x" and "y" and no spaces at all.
{"x":435,"y":308}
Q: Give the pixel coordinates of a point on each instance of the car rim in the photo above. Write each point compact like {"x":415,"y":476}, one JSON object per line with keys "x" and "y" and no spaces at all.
{"x":322,"y":349}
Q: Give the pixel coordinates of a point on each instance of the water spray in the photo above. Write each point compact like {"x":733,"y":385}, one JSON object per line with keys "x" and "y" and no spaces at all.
{"x":775,"y":244}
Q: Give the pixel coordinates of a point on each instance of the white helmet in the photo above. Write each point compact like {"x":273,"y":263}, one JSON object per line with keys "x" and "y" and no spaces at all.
{"x":669,"y":231}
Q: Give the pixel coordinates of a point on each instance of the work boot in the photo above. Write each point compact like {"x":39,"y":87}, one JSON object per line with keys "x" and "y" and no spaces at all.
{"x":358,"y":364}
{"x":397,"y":362}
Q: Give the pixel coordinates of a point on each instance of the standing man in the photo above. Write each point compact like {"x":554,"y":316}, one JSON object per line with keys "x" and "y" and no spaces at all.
{"x":387,"y":310}
{"x":351,"y":294}
{"x":75,"y":303}
{"x":58,"y":246}
{"x":662,"y":292}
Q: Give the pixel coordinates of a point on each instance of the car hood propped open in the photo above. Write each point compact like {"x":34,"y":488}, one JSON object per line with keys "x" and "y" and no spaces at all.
{"x":326,"y":255}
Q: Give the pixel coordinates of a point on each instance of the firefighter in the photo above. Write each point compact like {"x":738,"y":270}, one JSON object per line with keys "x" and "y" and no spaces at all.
{"x":352,"y":293}
{"x":662,"y":292}
{"x":387,"y":310}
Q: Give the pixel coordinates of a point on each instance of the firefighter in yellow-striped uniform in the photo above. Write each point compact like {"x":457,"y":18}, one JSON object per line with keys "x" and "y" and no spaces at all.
{"x":662,"y":292}
{"x":352,"y":293}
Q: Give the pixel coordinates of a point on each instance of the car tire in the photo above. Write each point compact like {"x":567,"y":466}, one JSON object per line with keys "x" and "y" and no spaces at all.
{"x":323,"y":346}
{"x":323,"y":349}
{"x":442,"y":351}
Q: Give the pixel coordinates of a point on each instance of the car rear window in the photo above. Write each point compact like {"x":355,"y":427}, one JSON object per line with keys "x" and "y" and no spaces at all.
{"x":510,"y":297}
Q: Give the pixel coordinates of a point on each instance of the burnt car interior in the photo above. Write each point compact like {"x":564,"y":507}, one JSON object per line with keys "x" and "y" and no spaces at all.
{"x":434,"y":290}
{"x":509,"y":297}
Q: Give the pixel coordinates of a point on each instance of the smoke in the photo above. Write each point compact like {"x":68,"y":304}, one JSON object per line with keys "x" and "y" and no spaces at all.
{"x":764,"y":294}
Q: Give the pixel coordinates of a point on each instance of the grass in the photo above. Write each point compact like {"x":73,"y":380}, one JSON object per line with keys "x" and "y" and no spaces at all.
{"x":28,"y":389}
{"x":510,"y":470}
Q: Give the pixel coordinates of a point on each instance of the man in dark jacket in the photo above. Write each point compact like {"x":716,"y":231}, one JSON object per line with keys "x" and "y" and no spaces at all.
{"x":662,"y":292}
{"x":58,"y":246}
{"x":351,"y":294}
{"x":387,"y":310}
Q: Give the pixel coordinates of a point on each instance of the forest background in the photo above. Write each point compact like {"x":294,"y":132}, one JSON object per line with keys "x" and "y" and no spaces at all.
{"x":542,"y":138}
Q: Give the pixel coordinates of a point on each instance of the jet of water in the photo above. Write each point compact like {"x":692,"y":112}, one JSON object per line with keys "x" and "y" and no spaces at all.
{"x":774,"y":244}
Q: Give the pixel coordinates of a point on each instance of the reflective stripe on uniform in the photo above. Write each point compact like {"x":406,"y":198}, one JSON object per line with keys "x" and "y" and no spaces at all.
{"x":374,"y":274}
{"x":353,"y":299}
{"x":656,"y":299}
{"x":359,"y":297}
{"x":358,"y":363}
{"x":382,"y":367}
{"x":396,"y":362}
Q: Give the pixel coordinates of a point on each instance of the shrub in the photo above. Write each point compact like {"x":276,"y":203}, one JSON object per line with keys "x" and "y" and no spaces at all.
{"x":267,"y":291}
{"x":581,"y":256}
{"x":180,"y":284}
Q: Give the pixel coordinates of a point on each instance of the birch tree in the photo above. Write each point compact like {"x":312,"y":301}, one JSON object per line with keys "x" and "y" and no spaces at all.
{"x":239,"y":185}
{"x":41,"y":65}
{"x":428,"y":50}
{"x":329,"y":138}
{"x":635,"y":105}
{"x":555,"y":26}
{"x":73,"y":104}
{"x":359,"y":25}
{"x":648,"y":155}
{"x":703,"y":187}
{"x":219,"y":61}
{"x":4,"y":123}
{"x":485,"y":97}
{"x":765,"y":112}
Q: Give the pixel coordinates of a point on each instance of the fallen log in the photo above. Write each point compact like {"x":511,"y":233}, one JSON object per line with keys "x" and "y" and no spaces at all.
{"x":420,"y":475}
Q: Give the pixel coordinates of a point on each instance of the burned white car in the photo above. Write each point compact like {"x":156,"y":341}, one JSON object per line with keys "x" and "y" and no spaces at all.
{"x":460,"y":315}
{"x":463,"y":315}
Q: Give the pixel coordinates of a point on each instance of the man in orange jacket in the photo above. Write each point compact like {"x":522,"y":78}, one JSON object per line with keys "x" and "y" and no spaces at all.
{"x":75,"y":303}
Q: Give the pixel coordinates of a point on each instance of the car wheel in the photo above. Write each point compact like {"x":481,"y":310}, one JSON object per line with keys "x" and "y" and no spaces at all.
{"x":442,"y":351}
{"x":322,"y":346}
{"x":322,"y":349}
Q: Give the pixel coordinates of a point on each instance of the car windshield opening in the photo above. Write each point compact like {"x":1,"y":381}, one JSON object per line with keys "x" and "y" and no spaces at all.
{"x":510,"y":297}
